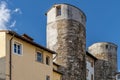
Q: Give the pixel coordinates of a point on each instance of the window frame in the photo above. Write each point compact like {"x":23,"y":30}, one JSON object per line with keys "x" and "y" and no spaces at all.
{"x":47,"y":57}
{"x":47,"y":77}
{"x":92,"y":77}
{"x":92,"y":63}
{"x":118,"y":76}
{"x":87,"y":72}
{"x":58,"y":11}
{"x":42,"y":60}
{"x":21,"y":48}
{"x":106,"y":46}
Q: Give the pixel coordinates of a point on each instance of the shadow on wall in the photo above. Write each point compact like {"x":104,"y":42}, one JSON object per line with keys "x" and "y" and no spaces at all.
{"x":2,"y":79}
{"x":2,"y":68}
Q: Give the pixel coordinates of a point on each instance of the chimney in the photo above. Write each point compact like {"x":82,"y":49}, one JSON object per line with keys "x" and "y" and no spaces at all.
{"x":27,"y":37}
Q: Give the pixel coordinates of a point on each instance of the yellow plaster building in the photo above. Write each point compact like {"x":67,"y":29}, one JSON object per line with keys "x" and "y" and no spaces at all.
{"x":56,"y":74}
{"x":23,"y":59}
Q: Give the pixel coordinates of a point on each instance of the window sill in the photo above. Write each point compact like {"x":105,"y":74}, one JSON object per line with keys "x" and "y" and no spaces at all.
{"x":39,"y":62}
{"x":18,"y":54}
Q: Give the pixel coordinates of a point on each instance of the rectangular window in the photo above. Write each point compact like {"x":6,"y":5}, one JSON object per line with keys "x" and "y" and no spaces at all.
{"x":17,"y":48}
{"x":92,"y":64}
{"x":118,"y":76}
{"x":91,"y":76}
{"x":47,"y":77}
{"x":48,"y":60}
{"x":39,"y":57}
{"x":87,"y":72}
{"x":58,"y":10}
{"x":106,"y":46}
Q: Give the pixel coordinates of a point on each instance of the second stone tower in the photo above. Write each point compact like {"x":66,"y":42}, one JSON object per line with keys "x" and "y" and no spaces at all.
{"x":66,"y":35}
{"x":106,"y":65}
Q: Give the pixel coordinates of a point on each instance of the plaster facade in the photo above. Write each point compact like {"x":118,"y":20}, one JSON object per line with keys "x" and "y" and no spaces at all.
{"x":2,"y":55}
{"x":56,"y":74}
{"x":24,"y":66}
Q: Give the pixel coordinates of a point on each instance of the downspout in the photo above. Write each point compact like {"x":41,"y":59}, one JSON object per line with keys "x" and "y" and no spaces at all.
{"x":55,"y":56}
{"x":10,"y":58}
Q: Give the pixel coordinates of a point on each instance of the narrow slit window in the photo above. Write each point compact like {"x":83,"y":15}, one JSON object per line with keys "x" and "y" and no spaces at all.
{"x":58,"y":10}
{"x":92,"y":63}
{"x":106,"y":46}
{"x":92,"y":77}
{"x":47,"y":77}
{"x":48,"y":60}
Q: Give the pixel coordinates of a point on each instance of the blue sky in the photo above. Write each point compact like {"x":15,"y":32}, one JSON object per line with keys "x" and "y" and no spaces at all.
{"x":28,"y":16}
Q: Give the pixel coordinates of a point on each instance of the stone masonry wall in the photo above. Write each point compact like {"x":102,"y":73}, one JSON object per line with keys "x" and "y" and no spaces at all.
{"x":103,"y":70}
{"x":106,"y":65}
{"x":70,"y":46}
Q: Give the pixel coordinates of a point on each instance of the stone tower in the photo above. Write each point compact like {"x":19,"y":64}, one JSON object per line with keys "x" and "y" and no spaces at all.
{"x":106,"y":65}
{"x":66,"y":35}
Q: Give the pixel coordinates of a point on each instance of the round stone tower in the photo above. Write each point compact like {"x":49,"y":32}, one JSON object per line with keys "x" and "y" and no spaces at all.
{"x":106,"y":66}
{"x":66,"y":35}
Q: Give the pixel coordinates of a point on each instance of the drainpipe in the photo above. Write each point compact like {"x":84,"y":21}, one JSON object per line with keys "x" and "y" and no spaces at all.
{"x":10,"y":58}
{"x":55,"y":57}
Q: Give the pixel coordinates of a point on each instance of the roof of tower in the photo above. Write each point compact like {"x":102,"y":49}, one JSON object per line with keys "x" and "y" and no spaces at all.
{"x":66,"y":4}
{"x":104,"y":43}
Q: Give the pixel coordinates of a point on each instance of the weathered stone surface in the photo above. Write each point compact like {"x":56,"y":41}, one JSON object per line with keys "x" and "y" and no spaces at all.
{"x":106,"y":65}
{"x":66,"y":35}
{"x":70,"y":46}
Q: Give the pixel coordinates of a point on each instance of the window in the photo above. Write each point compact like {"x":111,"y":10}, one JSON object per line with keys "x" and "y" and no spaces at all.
{"x":17,"y":48}
{"x":87,"y":72}
{"x":48,"y":60}
{"x":39,"y":57}
{"x":82,"y":17}
{"x":91,"y":76}
{"x":118,"y":76}
{"x":92,"y":63}
{"x":106,"y":46}
{"x":58,"y":10}
{"x":47,"y":77}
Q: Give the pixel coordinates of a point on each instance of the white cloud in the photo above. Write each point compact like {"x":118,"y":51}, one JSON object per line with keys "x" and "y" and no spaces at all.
{"x":13,"y":24}
{"x":4,"y":15}
{"x":17,"y":10}
{"x":6,"y":20}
